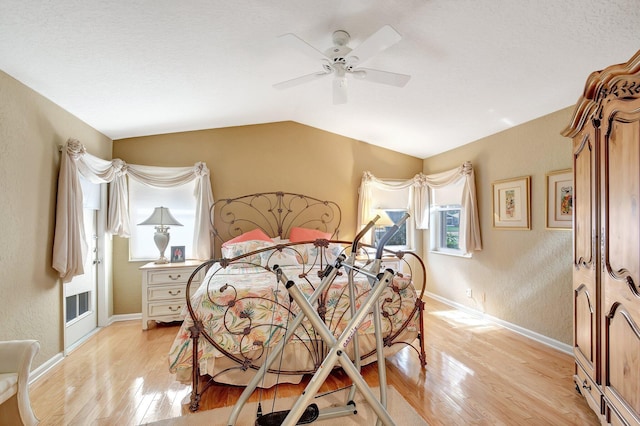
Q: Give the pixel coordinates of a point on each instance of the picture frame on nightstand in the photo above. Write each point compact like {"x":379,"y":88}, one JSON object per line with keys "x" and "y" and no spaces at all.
{"x":177,"y":254}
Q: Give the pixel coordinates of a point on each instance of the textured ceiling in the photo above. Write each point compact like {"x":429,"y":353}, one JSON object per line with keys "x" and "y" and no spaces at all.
{"x":132,"y":68}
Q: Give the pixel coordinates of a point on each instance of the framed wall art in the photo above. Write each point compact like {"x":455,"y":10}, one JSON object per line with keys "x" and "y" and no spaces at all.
{"x":512,"y":203}
{"x":560,"y":199}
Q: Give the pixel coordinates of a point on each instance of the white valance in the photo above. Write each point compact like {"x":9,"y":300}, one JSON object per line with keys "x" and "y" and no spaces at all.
{"x":70,"y":246}
{"x":419,"y":200}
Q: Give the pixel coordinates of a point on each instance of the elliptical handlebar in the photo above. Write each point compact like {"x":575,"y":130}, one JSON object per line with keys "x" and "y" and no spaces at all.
{"x":364,"y":231}
{"x":390,"y":233}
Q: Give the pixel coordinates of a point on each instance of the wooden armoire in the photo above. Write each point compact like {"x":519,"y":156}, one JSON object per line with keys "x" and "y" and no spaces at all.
{"x":605,"y":129}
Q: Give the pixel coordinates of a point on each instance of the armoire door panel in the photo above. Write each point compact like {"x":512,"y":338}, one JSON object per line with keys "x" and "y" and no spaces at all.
{"x":584,"y":327}
{"x":623,"y":361}
{"x":583,"y":166}
{"x":621,"y":202}
{"x":621,"y":258}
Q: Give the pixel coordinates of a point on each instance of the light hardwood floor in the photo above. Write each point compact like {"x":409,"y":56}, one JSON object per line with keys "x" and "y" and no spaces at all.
{"x":477,"y":374}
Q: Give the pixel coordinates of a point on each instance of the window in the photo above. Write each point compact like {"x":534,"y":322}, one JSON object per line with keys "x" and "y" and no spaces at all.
{"x":446,"y":213}
{"x":395,"y":203}
{"x":142,"y":201}
{"x":403,"y":239}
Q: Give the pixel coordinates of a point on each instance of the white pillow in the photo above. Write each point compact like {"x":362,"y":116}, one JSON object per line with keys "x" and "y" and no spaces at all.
{"x":284,"y":257}
{"x":238,"y":249}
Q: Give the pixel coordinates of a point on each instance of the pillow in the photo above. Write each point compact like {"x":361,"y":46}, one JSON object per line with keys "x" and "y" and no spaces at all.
{"x":305,"y":234}
{"x":230,"y":251}
{"x":256,"y":234}
{"x":284,"y":257}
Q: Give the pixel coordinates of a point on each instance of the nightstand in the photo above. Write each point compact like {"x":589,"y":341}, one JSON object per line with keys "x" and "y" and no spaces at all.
{"x":388,"y":262}
{"x":164,"y":287}
{"x":391,"y":262}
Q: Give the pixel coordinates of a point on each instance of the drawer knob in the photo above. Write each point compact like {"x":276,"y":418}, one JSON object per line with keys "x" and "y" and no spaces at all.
{"x":175,"y":293}
{"x":177,"y":277}
{"x":174,"y":308}
{"x":586,"y":386}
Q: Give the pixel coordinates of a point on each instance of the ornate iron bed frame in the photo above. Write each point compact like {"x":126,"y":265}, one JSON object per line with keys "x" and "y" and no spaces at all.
{"x":276,"y":213}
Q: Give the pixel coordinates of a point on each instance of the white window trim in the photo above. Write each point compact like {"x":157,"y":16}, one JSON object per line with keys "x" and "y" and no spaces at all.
{"x":436,"y":232}
{"x":410,"y":235}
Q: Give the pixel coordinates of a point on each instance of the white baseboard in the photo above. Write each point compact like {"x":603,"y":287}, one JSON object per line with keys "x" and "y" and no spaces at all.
{"x":124,"y":317}
{"x":556,"y":344}
{"x":44,"y":368}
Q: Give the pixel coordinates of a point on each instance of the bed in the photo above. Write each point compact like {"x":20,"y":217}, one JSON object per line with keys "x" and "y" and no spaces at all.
{"x":240,"y":311}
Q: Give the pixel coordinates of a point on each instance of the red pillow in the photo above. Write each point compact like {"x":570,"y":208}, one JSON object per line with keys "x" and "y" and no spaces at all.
{"x":256,"y":234}
{"x":306,"y":234}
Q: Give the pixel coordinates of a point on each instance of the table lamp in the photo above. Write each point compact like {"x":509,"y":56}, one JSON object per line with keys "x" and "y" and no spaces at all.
{"x":383,"y":222}
{"x":161,"y":218}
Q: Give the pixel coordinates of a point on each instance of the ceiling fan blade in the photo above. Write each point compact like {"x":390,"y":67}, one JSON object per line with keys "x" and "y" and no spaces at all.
{"x":384,"y":77}
{"x":340,"y":90}
{"x":302,"y":46}
{"x":300,"y":80}
{"x":377,"y":42}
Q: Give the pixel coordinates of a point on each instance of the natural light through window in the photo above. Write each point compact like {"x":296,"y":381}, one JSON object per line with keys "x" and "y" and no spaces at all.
{"x":143,"y":200}
{"x":446,"y":215}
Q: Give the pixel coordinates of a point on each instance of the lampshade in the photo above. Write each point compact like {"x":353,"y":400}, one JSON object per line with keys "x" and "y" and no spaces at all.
{"x":161,"y":218}
{"x":384,"y":220}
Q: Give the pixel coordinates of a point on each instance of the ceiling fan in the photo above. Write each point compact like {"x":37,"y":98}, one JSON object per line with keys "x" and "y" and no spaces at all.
{"x":341,"y":61}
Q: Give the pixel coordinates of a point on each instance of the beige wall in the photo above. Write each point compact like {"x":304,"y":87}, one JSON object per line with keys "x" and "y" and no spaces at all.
{"x":283,"y":156}
{"x":524,"y":275}
{"x":31,"y":128}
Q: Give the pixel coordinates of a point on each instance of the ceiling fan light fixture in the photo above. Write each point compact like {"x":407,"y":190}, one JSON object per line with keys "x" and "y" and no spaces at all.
{"x":340,"y":90}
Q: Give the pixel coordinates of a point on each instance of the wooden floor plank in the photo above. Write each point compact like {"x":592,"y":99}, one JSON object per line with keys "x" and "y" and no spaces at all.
{"x":477,"y":374}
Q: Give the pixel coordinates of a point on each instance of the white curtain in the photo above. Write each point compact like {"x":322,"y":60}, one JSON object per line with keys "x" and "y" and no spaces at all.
{"x":70,"y":247}
{"x":420,"y":205}
{"x":418,"y":199}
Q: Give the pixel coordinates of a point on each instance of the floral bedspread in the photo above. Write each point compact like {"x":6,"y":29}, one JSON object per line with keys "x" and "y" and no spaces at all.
{"x":245,"y":310}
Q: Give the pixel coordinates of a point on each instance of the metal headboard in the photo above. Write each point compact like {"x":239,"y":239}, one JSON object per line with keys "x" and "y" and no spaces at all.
{"x":273,"y":212}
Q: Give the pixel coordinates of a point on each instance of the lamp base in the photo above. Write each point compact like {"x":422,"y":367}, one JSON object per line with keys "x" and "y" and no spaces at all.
{"x":161,"y":238}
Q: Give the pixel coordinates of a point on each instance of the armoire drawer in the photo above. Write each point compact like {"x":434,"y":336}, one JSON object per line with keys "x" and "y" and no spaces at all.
{"x":588,"y":389}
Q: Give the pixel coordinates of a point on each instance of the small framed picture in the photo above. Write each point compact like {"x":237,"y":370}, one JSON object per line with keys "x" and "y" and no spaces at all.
{"x":512,"y":203}
{"x":177,"y":254}
{"x":560,"y":199}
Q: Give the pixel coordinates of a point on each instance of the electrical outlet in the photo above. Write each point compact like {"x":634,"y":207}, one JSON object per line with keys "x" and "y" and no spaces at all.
{"x":469,"y":294}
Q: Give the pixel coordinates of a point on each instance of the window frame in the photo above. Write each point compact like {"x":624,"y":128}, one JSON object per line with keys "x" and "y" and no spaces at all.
{"x":437,"y":235}
{"x":410,"y":232}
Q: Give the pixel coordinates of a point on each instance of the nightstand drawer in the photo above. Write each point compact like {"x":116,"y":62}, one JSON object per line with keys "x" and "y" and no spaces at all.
{"x":169,"y":292}
{"x":175,"y":275}
{"x":165,"y":309}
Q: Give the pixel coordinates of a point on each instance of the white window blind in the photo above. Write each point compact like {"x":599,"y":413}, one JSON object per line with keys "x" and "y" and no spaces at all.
{"x":181,"y":203}
{"x":448,"y":195}
{"x":390,"y":199}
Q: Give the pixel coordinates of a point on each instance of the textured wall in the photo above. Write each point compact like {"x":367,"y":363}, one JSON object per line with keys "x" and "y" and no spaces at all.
{"x":31,"y":128}
{"x":524,"y":275}
{"x":283,"y":156}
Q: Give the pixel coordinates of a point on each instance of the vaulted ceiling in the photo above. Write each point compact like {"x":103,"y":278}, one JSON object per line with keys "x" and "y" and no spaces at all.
{"x":141,"y":67}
